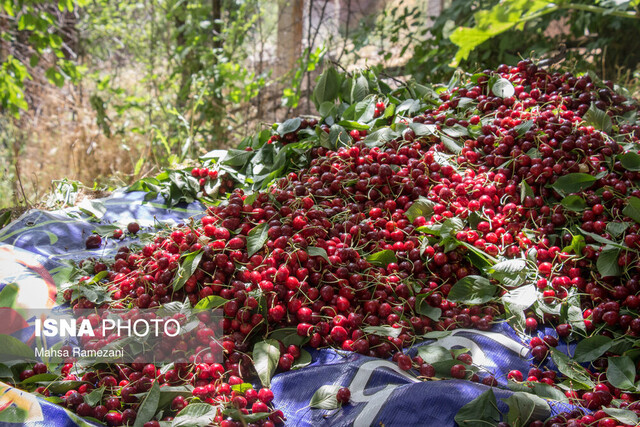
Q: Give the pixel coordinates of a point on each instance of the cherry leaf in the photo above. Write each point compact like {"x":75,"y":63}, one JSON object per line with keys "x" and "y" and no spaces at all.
{"x":265,"y":359}
{"x":325,"y":397}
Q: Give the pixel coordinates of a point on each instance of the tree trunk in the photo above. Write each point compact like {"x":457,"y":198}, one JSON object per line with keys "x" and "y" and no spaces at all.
{"x":290,"y":16}
{"x":216,"y":19}
{"x":185,"y":75}
{"x":4,"y":27}
{"x":217,"y":136}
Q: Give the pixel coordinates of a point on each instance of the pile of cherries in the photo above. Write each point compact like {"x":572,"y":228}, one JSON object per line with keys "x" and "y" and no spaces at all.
{"x":316,"y":267}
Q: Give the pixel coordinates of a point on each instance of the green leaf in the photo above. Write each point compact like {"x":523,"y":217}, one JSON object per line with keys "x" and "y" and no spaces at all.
{"x":621,"y":372}
{"x":195,"y":414}
{"x":425,"y":309}
{"x":364,"y":110}
{"x":382,"y":258}
{"x":474,"y":219}
{"x":589,"y":349}
{"x":411,"y":106}
{"x":455,"y":352}
{"x":5,"y":218}
{"x":516,"y":386}
{"x":359,"y":88}
{"x":616,"y":229}
{"x":524,"y":407}
{"x":41,"y":378}
{"x":509,"y":267}
{"x":149,"y":406}
{"x":571,"y":368}
{"x":327,"y":108}
{"x":12,"y":348}
{"x":574,"y":313}
{"x":53,"y":399}
{"x":574,"y":203}
{"x":325,"y":397}
{"x":516,"y":301}
{"x":598,"y":119}
{"x":339,"y":136}
{"x":245,"y":418}
{"x":380,"y":136}
{"x":265,"y":359}
{"x":573,"y":183}
{"x":443,"y":368}
{"x":510,"y":272}
{"x":303,"y":360}
{"x":94,"y":397}
{"x":572,"y":385}
{"x":478,"y":258}
{"x":547,"y":391}
{"x":327,"y":88}
{"x":420,"y":129}
{"x":630,"y":161}
{"x":451,"y":226}
{"x":456,"y":131}
{"x":315,"y":251}
{"x":5,"y":371}
{"x":472,"y":290}
{"x":61,"y":387}
{"x":289,"y":126}
{"x":257,"y":237}
{"x":288,"y":336}
{"x":434,"y":335}
{"x":522,"y":297}
{"x":383,"y":331}
{"x":503,"y":88}
{"x":214,"y":154}
{"x":54,"y":76}
{"x":525,"y":190}
{"x":625,"y":416}
{"x":421,"y":207}
{"x":350,"y":124}
{"x":451,"y":144}
{"x":577,"y":245}
{"x":187,"y":269}
{"x":523,"y":127}
{"x":598,"y":238}
{"x":632,"y":210}
{"x":433,"y":353}
{"x":483,"y":410}
{"x":241,"y":388}
{"x":212,"y":187}
{"x":434,"y":229}
{"x":93,"y":208}
{"x":168,"y":393}
{"x":212,"y":301}
{"x":608,"y":262}
{"x":237,"y":158}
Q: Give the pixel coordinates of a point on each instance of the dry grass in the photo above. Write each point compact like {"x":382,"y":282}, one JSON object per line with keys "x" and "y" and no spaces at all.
{"x":58,"y":138}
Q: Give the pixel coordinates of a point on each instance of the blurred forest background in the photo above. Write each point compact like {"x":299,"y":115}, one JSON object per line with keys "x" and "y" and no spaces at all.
{"x":99,"y":93}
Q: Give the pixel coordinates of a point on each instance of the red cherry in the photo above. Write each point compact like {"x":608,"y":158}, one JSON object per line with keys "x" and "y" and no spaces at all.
{"x":458,"y":371}
{"x":265,"y":395}
{"x":515,"y":375}
{"x":343,"y":396}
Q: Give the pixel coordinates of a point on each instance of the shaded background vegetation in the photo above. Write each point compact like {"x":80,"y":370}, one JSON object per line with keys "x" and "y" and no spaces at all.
{"x":104,"y":93}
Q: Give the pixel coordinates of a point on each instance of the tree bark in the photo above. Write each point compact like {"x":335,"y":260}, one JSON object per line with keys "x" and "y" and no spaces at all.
{"x":216,"y":19}
{"x":290,"y":16}
{"x":185,"y":75}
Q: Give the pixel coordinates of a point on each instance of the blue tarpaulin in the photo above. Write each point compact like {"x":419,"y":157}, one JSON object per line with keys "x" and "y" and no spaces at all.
{"x":32,"y":247}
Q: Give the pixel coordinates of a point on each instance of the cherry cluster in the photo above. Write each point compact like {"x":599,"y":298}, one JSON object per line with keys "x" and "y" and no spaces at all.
{"x":352,"y":252}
